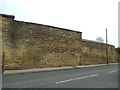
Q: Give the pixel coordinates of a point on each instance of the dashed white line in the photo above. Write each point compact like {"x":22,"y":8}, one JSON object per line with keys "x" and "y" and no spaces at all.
{"x":113,"y":71}
{"x":77,"y":78}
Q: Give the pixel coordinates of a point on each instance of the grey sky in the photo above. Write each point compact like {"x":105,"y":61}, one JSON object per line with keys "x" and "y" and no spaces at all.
{"x":91,"y":17}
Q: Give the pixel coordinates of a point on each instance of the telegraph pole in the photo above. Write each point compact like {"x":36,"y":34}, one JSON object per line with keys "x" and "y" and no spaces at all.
{"x":106,"y":46}
{"x":3,"y":62}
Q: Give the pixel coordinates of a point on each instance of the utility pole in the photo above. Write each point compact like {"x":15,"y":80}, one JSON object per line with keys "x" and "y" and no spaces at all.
{"x":3,"y":62}
{"x":106,"y":46}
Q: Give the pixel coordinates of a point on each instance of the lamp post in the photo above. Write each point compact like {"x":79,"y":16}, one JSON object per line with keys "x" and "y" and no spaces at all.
{"x":106,"y":46}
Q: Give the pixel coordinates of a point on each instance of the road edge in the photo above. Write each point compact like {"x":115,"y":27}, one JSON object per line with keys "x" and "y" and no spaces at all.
{"x":9,"y":72}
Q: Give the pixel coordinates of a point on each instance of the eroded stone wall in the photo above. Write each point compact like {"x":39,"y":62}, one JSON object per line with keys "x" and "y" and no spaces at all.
{"x":95,"y":52}
{"x":118,"y":54}
{"x":29,"y":45}
{"x":0,"y":44}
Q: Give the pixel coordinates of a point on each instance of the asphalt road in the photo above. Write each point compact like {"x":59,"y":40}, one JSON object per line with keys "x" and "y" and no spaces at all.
{"x":93,"y":77}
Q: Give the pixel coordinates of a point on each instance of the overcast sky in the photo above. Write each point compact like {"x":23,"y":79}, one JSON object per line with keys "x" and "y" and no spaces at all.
{"x":91,"y":17}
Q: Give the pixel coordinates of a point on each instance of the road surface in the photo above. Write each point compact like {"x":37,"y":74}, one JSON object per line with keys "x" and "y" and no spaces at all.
{"x":93,"y":77}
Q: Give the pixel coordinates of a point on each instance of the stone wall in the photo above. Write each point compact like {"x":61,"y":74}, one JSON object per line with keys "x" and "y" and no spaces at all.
{"x":30,"y":45}
{"x":0,"y":43}
{"x":95,"y":52}
{"x":118,"y":53}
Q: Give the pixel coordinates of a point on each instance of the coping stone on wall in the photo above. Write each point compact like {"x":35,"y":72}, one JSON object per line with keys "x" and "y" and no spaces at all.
{"x":8,"y":16}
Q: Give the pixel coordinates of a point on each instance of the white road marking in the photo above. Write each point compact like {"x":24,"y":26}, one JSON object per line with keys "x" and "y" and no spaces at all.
{"x":77,"y":78}
{"x":113,"y":71}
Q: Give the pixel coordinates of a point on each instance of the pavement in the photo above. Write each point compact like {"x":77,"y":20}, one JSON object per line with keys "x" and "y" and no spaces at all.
{"x":105,"y":76}
{"x":8,"y":72}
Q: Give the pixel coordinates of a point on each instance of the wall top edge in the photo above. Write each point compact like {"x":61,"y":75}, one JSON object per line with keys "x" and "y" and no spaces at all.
{"x":48,"y":26}
{"x":8,"y":16}
{"x":12,"y":16}
{"x":91,"y":41}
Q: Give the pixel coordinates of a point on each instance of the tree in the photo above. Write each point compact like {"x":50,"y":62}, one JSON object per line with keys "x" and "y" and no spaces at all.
{"x":99,"y":39}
